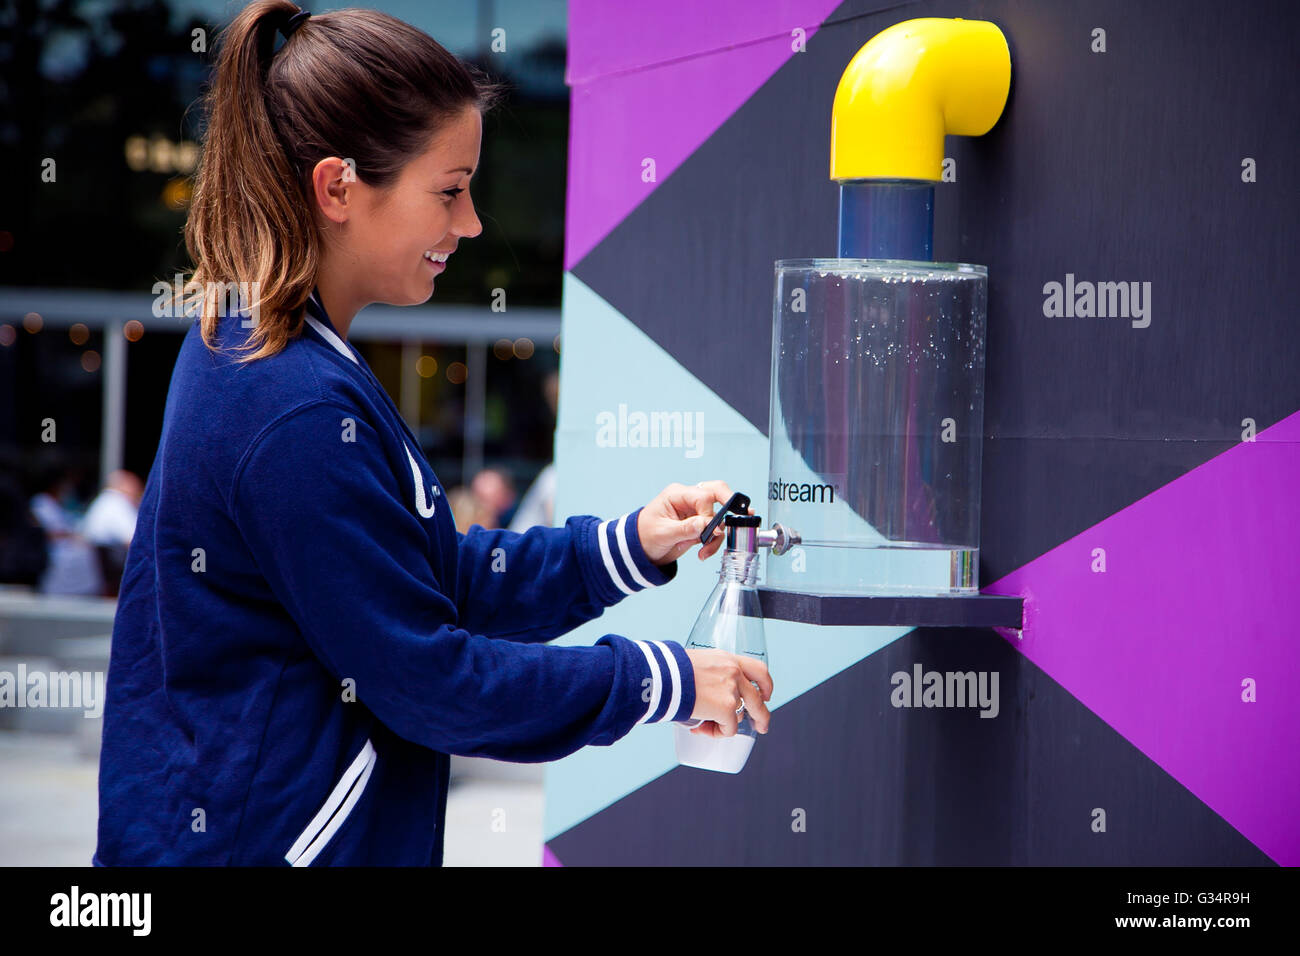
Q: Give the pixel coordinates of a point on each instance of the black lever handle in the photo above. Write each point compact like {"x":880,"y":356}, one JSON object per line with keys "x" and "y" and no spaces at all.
{"x":736,"y":504}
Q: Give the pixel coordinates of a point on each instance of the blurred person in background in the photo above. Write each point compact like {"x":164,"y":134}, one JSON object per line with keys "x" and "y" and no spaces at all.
{"x":24,"y":552}
{"x":468,"y":510}
{"x":495,"y":492}
{"x":73,"y":565}
{"x":110,"y":519}
{"x":110,"y":523}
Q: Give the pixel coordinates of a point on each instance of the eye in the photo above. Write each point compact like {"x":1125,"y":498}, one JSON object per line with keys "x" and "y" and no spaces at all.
{"x":453,"y":193}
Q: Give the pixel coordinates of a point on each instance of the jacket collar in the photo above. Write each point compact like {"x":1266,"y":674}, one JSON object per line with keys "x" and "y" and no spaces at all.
{"x":319,"y":320}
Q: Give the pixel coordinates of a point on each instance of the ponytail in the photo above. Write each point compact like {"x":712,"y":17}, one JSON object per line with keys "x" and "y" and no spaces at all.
{"x":357,"y":84}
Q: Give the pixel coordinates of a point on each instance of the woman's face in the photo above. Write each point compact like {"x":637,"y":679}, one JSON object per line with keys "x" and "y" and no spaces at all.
{"x":427,"y":210}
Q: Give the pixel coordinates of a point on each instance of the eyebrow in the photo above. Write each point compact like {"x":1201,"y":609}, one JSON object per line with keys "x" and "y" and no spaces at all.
{"x":461,"y":169}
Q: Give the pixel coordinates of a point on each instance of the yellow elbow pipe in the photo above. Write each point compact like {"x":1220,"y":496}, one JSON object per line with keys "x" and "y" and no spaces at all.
{"x":911,"y":85}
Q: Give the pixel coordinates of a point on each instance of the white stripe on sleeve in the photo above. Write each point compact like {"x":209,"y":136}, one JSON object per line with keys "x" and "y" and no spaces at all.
{"x":656,"y":689}
{"x":675,"y":676}
{"x":620,"y":532}
{"x":609,"y":559}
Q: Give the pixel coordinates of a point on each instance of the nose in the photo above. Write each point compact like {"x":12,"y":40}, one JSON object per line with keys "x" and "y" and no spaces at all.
{"x":466,"y":222}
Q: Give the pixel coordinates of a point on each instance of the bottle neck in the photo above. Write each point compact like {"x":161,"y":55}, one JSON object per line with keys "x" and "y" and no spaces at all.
{"x":740,"y":567}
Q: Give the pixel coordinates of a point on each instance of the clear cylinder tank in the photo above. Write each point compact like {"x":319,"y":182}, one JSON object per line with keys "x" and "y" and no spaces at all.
{"x":877,"y":414}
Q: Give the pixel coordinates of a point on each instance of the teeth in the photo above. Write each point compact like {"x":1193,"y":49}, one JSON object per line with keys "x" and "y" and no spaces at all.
{"x":436,"y":256}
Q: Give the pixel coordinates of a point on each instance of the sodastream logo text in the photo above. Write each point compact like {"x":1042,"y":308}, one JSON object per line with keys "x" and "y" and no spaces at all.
{"x":782,"y":490}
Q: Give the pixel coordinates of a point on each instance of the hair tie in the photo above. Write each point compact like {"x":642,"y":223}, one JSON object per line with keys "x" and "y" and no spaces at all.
{"x":293,"y":23}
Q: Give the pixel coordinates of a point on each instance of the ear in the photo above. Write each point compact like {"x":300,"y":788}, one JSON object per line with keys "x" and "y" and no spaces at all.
{"x":335,"y":187}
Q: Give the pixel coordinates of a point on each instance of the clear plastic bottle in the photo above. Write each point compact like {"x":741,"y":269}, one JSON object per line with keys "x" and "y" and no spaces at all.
{"x":732,"y":621}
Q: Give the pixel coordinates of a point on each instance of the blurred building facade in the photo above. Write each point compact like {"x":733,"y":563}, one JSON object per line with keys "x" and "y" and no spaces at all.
{"x":100,"y":126}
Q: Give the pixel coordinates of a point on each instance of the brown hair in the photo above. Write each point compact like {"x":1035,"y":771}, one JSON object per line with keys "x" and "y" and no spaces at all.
{"x":357,"y":84}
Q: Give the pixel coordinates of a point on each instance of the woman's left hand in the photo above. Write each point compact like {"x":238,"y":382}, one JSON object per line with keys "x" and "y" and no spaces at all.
{"x":672,"y":524}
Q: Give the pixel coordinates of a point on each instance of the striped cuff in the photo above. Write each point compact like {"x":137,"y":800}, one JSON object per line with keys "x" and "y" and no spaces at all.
{"x":625,"y":561}
{"x":670,"y":694}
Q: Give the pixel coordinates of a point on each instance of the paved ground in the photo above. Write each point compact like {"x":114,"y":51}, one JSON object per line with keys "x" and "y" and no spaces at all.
{"x":48,"y":787}
{"x":47,"y":800}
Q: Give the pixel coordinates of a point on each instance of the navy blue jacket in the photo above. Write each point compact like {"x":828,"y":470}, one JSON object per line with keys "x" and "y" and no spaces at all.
{"x":302,"y":636}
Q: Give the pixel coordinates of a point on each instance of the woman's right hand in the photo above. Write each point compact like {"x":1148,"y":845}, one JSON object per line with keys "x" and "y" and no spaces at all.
{"x":722,"y":680}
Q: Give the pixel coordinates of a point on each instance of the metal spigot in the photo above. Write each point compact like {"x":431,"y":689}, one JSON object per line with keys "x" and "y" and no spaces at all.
{"x":779,"y":538}
{"x":746,"y":535}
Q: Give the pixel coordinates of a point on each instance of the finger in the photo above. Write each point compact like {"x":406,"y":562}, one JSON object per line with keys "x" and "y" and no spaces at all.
{"x":679,"y":534}
{"x":722,"y":494}
{"x":710,"y":549}
{"x":704,"y":495}
{"x":689,"y":533}
{"x":756,"y":670}
{"x":701,"y":524}
{"x":677,"y":501}
{"x":755,"y":707}
{"x":717,"y":486}
{"x":685,"y":502}
{"x":730,"y":723}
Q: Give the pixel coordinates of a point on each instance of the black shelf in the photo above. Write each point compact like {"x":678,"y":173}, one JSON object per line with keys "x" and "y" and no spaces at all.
{"x":975,"y":610}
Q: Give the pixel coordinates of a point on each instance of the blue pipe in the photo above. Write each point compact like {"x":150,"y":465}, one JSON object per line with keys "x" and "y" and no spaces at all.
{"x":886,"y":219}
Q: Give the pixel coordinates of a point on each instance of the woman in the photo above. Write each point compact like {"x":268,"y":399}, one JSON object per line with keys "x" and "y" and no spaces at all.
{"x":302,"y":636}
